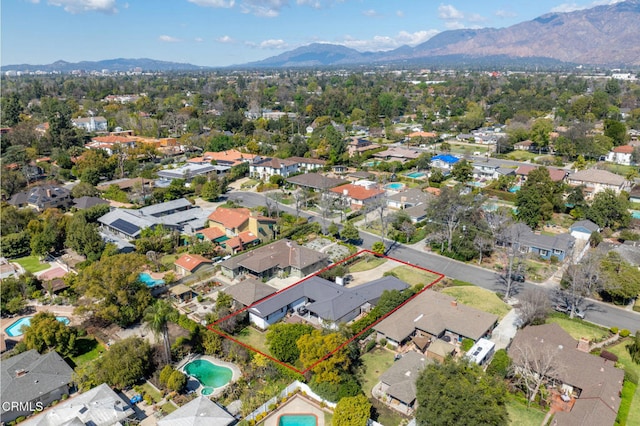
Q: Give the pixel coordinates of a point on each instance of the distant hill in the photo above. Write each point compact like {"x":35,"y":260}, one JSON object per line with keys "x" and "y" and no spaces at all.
{"x":602,"y":35}
{"x":120,"y":64}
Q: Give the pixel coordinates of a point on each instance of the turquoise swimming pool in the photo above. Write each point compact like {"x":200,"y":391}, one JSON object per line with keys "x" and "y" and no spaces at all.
{"x":415,"y":175}
{"x":635,"y":214}
{"x":208,"y":374}
{"x":149,"y":281}
{"x":297,"y":420}
{"x":15,"y":329}
{"x":515,"y":188}
{"x":396,"y":186}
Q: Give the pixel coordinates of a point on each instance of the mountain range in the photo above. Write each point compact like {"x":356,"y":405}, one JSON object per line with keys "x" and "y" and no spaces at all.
{"x":607,"y":35}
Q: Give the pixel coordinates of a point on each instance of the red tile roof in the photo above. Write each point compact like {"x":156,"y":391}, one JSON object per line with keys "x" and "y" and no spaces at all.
{"x":212,"y":233}
{"x":624,"y":149}
{"x":242,"y":239}
{"x":357,"y":192}
{"x":112,"y":139}
{"x":556,"y":174}
{"x":191,"y":261}
{"x":230,"y":218}
{"x":230,"y":155}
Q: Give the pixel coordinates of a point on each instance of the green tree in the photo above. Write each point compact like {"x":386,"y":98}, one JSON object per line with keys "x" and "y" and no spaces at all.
{"x":378,"y":248}
{"x":11,"y":110}
{"x":609,"y":210}
{"x":540,"y":130}
{"x":84,"y":189}
{"x":319,"y":352}
{"x":212,"y":189}
{"x":634,"y":348}
{"x":15,"y":245}
{"x":121,"y":366}
{"x":164,"y":375}
{"x":457,"y":392}
{"x":282,"y":338}
{"x":350,"y":233}
{"x":617,"y":131}
{"x":43,"y":242}
{"x":621,"y":281}
{"x":352,"y":411}
{"x":462,"y":171}
{"x":84,"y":237}
{"x":156,"y":317}
{"x":112,"y":289}
{"x":177,"y":381}
{"x":46,"y":333}
{"x":500,"y":364}
{"x":537,"y":198}
{"x":333,"y":229}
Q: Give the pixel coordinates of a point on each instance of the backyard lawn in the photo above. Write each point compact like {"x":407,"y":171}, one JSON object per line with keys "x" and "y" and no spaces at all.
{"x":625,"y":359}
{"x":413,"y":276}
{"x":521,"y":155}
{"x":31,"y":264}
{"x":578,"y":328}
{"x":168,"y":259}
{"x":479,"y":298}
{"x":367,"y":263}
{"x":254,"y":338}
{"x":521,"y":415}
{"x":374,"y":363}
{"x":168,"y":408}
{"x":89,"y":349}
{"x":150,"y":390}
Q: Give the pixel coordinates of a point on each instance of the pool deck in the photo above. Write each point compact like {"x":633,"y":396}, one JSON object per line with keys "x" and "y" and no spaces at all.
{"x":57,"y":310}
{"x":298,"y":404}
{"x":236,"y":373}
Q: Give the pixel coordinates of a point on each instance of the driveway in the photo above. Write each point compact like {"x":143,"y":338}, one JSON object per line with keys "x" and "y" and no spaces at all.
{"x":505,"y":330}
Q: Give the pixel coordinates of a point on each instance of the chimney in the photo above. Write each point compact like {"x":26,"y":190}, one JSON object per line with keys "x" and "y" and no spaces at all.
{"x":21,"y":372}
{"x":583,"y":345}
{"x":454,"y":303}
{"x":49,"y":192}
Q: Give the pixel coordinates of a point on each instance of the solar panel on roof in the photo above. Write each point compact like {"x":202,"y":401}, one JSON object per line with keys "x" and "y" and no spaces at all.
{"x":124,"y":226}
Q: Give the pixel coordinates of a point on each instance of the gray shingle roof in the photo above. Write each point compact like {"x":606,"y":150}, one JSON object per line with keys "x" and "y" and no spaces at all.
{"x":44,"y":373}
{"x":199,"y":412}
{"x":88,"y":202}
{"x":597,"y":176}
{"x":249,"y":291}
{"x":587,"y":224}
{"x":402,"y":375}
{"x":316,"y":181}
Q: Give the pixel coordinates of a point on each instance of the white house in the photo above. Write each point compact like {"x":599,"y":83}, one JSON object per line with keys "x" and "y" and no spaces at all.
{"x":264,"y":168}
{"x":90,"y":124}
{"x":620,"y":155}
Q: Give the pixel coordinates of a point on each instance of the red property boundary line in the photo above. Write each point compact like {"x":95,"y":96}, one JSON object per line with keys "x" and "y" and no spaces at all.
{"x":302,"y":372}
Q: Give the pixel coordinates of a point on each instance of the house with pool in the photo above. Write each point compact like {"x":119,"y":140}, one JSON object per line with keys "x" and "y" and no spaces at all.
{"x":322,"y":302}
{"x":358,"y":194}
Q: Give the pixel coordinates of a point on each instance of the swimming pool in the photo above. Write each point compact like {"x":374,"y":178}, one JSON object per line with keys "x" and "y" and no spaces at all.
{"x":396,"y":186}
{"x":515,"y":188}
{"x":297,"y":420}
{"x":15,"y":329}
{"x":416,"y":175}
{"x":208,"y":374}
{"x":149,"y":281}
{"x":635,"y":214}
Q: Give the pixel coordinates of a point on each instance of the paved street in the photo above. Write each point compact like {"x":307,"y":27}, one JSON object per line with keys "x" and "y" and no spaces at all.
{"x":596,"y":312}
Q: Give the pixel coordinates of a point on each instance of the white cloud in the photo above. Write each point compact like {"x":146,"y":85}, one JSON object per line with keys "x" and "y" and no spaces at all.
{"x":80,"y":6}
{"x":399,"y":14}
{"x":449,"y":12}
{"x":475,"y":17}
{"x":168,"y":39}
{"x":378,"y":43}
{"x":371,"y":13}
{"x":198,"y":39}
{"x":225,"y":39}
{"x":454,"y":25}
{"x":264,"y":8}
{"x":214,"y":3}
{"x":571,"y":7}
{"x":502,"y":13}
{"x":272,"y":44}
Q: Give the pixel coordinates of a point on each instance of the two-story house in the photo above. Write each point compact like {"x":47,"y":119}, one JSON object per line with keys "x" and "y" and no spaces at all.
{"x":595,"y":180}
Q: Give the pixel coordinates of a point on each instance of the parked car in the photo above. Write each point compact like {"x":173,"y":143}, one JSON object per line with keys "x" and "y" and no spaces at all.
{"x":517,"y":277}
{"x":566,"y":309}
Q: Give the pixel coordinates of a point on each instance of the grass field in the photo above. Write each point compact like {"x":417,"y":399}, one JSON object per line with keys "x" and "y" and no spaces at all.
{"x":578,"y":328}
{"x":413,"y":276}
{"x":367,"y":263}
{"x":168,"y":259}
{"x":151,"y":391}
{"x":31,"y":264}
{"x":374,"y":363}
{"x":168,"y":408}
{"x":479,"y":298}
{"x":521,"y":155}
{"x":521,"y":415}
{"x":89,"y":349}
{"x":625,"y":359}
{"x":254,"y":338}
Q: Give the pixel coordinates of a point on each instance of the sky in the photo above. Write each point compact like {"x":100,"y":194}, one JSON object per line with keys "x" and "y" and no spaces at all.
{"x":231,"y":32}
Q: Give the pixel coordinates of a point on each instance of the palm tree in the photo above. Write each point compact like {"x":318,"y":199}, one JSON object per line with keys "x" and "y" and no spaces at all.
{"x":156,"y":316}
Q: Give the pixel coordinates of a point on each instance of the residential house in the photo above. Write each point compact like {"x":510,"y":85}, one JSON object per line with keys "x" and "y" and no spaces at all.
{"x":397,"y":385}
{"x":230,"y":157}
{"x":189,"y":171}
{"x":591,"y":382}
{"x":100,"y":406}
{"x":358,"y":146}
{"x":582,"y":229}
{"x":546,"y":246}
{"x":182,"y":293}
{"x":489,"y":169}
{"x":444,"y":161}
{"x":233,"y":222}
{"x":90,"y":124}
{"x":188,"y":264}
{"x":280,"y":258}
{"x":308,"y":164}
{"x":8,"y":269}
{"x":595,"y":180}
{"x":315,"y":181}
{"x":128,"y":185}
{"x":31,"y":381}
{"x":199,"y":411}
{"x":409,"y":198}
{"x":556,"y":175}
{"x":248,"y":292}
{"x":109,"y":143}
{"x":527,"y":145}
{"x":264,"y":168}
{"x":431,"y":315}
{"x":42,"y":197}
{"x":326,"y":302}
{"x":400,"y":154}
{"x":88,"y":202}
{"x":241,"y":242}
{"x":358,"y":194}
{"x":621,"y":155}
{"x":634,"y":194}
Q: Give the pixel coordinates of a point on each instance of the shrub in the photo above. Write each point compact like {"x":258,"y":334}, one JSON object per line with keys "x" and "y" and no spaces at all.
{"x":631,"y":376}
{"x":466,"y":344}
{"x":383,"y":342}
{"x":624,"y":333}
{"x":608,"y":355}
{"x":370,"y":345}
{"x":500,"y":364}
{"x":614,"y":330}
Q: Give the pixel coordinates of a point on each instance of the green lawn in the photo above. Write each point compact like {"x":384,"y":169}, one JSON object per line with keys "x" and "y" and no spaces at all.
{"x":374,"y":363}
{"x":521,"y":155}
{"x":151,"y":391}
{"x":168,"y":408}
{"x":31,"y":264}
{"x":254,"y":338}
{"x":367,"y":263}
{"x":88,"y":349}
{"x":479,"y":298}
{"x":625,"y":359}
{"x":521,"y":415}
{"x":168,"y":259}
{"x":578,"y":328}
{"x":413,"y":276}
